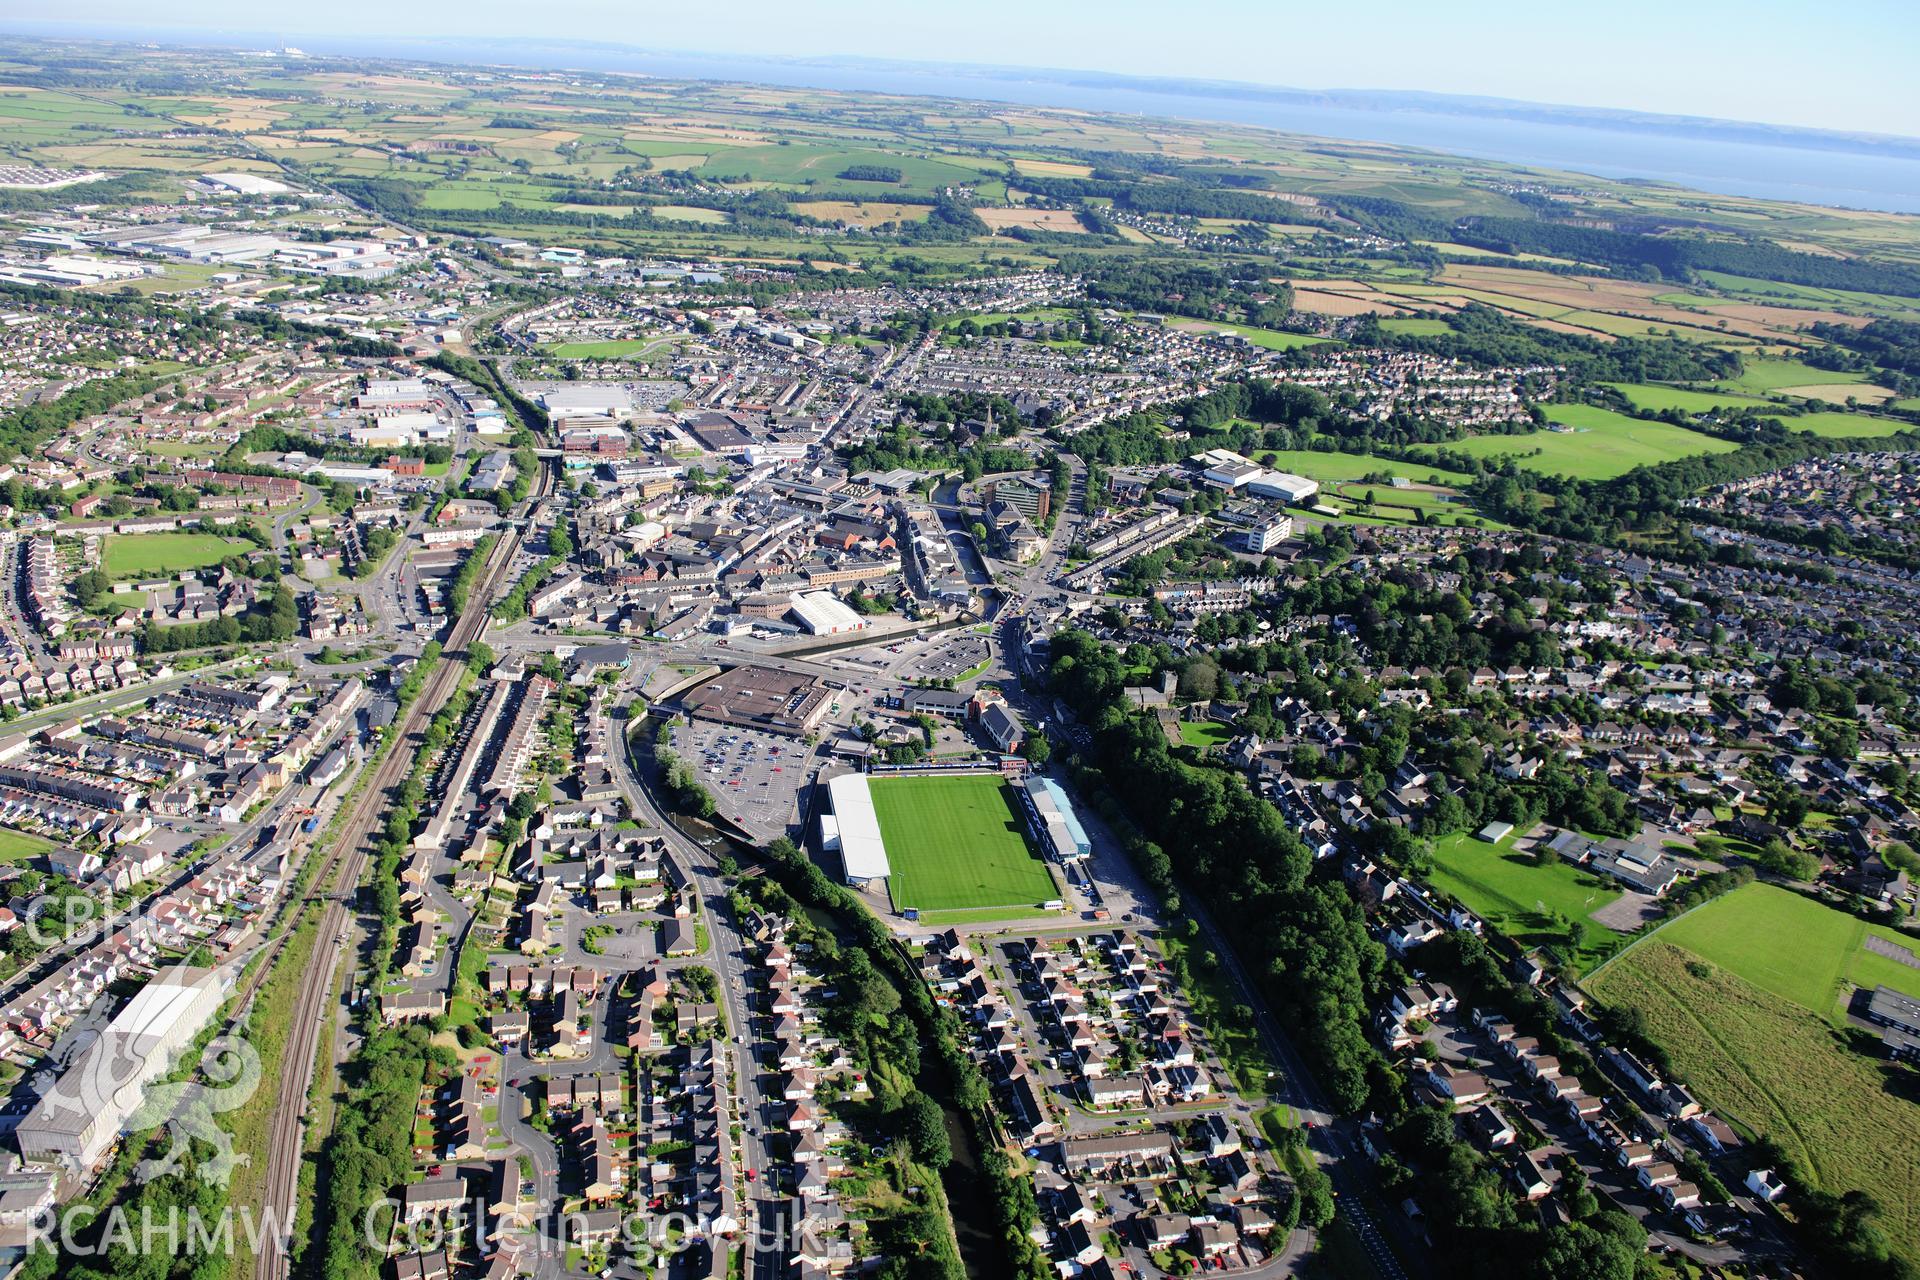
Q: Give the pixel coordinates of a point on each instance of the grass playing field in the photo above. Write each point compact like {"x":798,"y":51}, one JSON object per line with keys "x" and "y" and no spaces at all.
{"x":18,"y":846}
{"x":134,"y":555}
{"x":1539,"y":903}
{"x":957,"y":843}
{"x":1601,"y":445}
{"x":610,"y":349}
{"x":1334,"y":467}
{"x":1790,"y":946}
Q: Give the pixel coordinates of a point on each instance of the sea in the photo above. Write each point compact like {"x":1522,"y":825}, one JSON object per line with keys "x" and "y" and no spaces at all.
{"x":1821,"y":175}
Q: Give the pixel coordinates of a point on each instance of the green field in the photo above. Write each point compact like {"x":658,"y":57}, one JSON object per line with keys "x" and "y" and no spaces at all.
{"x":1603,"y":444}
{"x":1336,"y":468}
{"x":1791,"y":947}
{"x":1771,"y":375}
{"x":135,"y":555}
{"x":1541,"y":903}
{"x":1656,"y":397}
{"x":1417,"y":326}
{"x":1269,"y":339}
{"x":1205,"y":733}
{"x":18,"y":846}
{"x":1779,"y":1070}
{"x":610,"y":349}
{"x":956,"y":843}
{"x":1837,"y":424}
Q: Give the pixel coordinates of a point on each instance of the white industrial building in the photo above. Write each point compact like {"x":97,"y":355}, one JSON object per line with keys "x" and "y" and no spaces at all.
{"x":246,"y":184}
{"x":853,"y":829}
{"x":822,"y":613}
{"x":587,"y":400}
{"x":84,"y":1113}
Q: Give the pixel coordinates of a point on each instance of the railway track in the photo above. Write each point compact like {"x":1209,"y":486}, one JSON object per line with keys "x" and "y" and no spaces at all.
{"x":347,"y":863}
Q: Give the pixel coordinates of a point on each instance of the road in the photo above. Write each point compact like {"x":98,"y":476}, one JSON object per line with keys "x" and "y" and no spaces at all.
{"x":346,"y":863}
{"x":727,"y":955}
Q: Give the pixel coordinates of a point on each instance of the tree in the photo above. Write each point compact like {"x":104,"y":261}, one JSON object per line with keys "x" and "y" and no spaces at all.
{"x":1315,"y":1193}
{"x":1037,"y":750}
{"x":924,"y":1126}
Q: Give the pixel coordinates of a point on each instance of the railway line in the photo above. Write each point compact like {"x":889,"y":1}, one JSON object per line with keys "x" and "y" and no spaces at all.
{"x":346,"y":863}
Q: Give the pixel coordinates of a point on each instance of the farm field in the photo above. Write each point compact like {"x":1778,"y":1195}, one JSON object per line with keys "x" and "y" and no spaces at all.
{"x":1839,"y":424}
{"x":1775,"y":1068}
{"x":1657,"y":397}
{"x":1603,"y":444}
{"x":690,"y":213}
{"x":1061,"y":220}
{"x":1778,"y":375}
{"x":1537,"y":903}
{"x":862,"y":213}
{"x":1416,"y":326}
{"x":133,"y":555}
{"x":957,"y":842}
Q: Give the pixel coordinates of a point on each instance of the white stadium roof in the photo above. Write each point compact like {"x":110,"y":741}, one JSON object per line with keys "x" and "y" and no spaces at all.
{"x":862,"y":853}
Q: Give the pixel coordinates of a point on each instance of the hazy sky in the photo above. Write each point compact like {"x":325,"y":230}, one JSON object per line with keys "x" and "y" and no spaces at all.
{"x":1838,"y":64}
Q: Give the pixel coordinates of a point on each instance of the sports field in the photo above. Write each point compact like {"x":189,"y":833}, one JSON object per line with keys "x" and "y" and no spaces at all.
{"x":1600,"y":445}
{"x":1793,"y":947}
{"x":18,"y":846}
{"x":957,"y":842}
{"x":608,"y":349}
{"x":134,"y":555}
{"x":1543,"y":902}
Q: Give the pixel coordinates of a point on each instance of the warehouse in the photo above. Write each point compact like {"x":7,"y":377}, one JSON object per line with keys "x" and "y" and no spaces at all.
{"x":823,"y":614}
{"x":587,"y":400}
{"x":853,"y":828}
{"x":82,"y":1115}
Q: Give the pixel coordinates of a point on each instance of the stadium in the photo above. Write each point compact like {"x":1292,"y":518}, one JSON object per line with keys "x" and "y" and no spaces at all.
{"x":947,"y":842}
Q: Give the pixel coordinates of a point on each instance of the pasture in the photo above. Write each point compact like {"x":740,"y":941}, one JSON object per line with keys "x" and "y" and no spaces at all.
{"x":1599,"y":445}
{"x":1543,"y":902}
{"x":1779,"y":375}
{"x":957,"y":843}
{"x":1657,"y":397}
{"x":1780,"y":1070}
{"x":1415,"y":326}
{"x":1837,"y":424}
{"x":138,"y":555}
